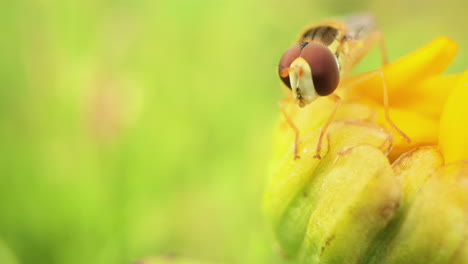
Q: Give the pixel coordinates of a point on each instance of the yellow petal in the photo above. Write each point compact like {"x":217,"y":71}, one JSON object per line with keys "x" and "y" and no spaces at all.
{"x":453,"y":138}
{"x":403,"y":73}
{"x":420,"y":128}
{"x":427,"y":97}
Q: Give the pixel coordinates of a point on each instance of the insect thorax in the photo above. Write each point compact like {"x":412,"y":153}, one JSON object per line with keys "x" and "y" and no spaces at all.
{"x":330,"y":35}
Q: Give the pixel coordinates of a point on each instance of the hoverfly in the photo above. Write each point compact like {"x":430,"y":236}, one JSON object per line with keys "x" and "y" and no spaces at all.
{"x":323,"y":54}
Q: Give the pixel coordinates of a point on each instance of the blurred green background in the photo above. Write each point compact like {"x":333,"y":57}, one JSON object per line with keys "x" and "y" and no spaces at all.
{"x":137,"y":128}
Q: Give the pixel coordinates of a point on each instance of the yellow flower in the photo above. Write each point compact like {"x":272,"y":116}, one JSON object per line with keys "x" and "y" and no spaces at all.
{"x":354,"y":205}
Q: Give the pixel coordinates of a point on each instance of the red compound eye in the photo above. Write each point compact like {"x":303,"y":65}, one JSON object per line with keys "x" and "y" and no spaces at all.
{"x":322,"y":62}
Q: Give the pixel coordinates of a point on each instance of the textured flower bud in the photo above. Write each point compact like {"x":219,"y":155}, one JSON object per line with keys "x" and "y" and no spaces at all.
{"x":432,"y":226}
{"x":317,"y":206}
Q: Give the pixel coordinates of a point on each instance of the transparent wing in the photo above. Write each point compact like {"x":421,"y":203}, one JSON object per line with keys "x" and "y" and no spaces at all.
{"x":361,"y":35}
{"x":360,"y":26}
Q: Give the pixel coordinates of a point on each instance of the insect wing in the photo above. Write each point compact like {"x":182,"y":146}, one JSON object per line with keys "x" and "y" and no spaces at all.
{"x":360,"y":27}
{"x":361,"y":35}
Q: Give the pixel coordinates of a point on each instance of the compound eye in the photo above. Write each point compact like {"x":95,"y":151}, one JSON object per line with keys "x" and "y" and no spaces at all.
{"x":288,"y":57}
{"x":325,"y":72}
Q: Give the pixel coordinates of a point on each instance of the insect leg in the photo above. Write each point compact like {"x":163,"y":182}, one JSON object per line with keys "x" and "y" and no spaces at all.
{"x":337,"y":101}
{"x":293,"y":126}
{"x":383,"y":50}
{"x":383,"y":54}
{"x":386,"y":107}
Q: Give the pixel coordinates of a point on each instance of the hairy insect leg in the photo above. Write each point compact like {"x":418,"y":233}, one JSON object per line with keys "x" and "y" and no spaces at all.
{"x":384,"y":57}
{"x":283,"y":104}
{"x":337,"y":101}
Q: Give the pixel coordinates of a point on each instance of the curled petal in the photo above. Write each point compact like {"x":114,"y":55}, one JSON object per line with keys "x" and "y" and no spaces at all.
{"x":403,"y":73}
